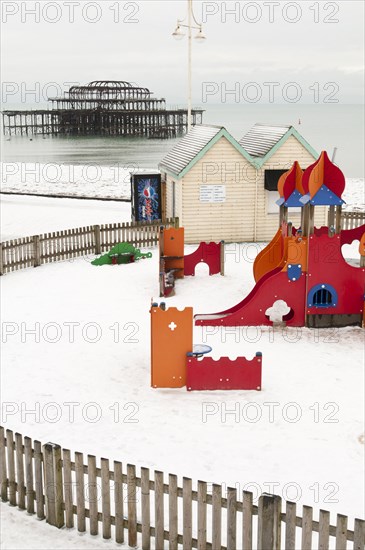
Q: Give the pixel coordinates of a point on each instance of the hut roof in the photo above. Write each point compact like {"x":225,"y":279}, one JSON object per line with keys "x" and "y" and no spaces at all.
{"x":188,"y":147}
{"x":193,"y":146}
{"x":261,"y":138}
{"x":257,"y":146}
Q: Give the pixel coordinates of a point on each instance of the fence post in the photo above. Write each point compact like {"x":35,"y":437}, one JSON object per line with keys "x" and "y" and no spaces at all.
{"x":231,"y":518}
{"x":29,"y":476}
{"x":217,"y":516}
{"x":132,"y":505}
{"x":53,"y":484}
{"x":187,"y":514}
{"x":159,"y":510}
{"x":38,"y":479}
{"x":290,"y":525}
{"x":268,"y":529}
{"x":3,"y":474}
{"x":341,"y":532}
{"x":222,"y":257}
{"x":49,"y":484}
{"x":1,"y":260}
{"x":277,"y":522}
{"x":36,"y":251}
{"x":58,"y":483}
{"x":97,"y":239}
{"x":359,"y":534}
{"x":11,"y":467}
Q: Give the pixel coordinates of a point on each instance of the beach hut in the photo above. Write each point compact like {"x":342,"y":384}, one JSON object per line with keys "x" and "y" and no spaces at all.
{"x":224,"y":189}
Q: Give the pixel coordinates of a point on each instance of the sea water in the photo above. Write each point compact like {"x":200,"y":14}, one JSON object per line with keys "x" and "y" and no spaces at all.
{"x":324,"y":126}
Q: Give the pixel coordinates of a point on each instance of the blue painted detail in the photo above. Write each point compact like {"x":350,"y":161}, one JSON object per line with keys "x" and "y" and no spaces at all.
{"x":258,"y":354}
{"x":326,"y":197}
{"x":322,"y":296}
{"x":294,"y":272}
{"x":199,"y":350}
{"x":305,"y":198}
{"x":294,"y":199}
{"x":280,"y":201}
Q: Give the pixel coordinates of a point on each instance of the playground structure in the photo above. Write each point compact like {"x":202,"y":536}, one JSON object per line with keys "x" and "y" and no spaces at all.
{"x":121,"y":253}
{"x":174,"y":265}
{"x":304,"y":267}
{"x":175,"y":363}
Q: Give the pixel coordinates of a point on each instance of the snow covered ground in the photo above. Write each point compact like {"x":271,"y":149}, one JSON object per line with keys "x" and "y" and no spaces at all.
{"x":72,"y":332}
{"x":354,"y":195}
{"x":22,"y":216}
{"x":88,"y":180}
{"x":19,"y":531}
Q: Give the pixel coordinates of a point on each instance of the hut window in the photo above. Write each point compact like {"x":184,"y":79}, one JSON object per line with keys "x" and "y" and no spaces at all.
{"x":271,"y":185}
{"x":271,"y":198}
{"x":173,"y":199}
{"x":272,"y":178}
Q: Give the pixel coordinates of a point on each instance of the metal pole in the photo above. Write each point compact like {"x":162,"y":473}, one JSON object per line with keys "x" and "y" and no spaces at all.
{"x":190,"y":12}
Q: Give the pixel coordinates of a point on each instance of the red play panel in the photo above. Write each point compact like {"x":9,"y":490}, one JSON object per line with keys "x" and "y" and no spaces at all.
{"x":208,"y":253}
{"x":223,"y":374}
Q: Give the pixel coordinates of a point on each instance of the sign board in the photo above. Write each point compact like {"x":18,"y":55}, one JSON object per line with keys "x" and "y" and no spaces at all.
{"x":146,"y":197}
{"x":212,"y":193}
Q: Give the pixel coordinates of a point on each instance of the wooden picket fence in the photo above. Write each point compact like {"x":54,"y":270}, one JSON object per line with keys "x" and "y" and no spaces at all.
{"x":46,"y":481}
{"x":350,"y":220}
{"x":72,"y":243}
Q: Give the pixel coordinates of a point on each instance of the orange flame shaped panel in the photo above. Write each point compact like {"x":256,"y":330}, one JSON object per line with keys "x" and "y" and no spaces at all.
{"x":323,"y":172}
{"x":291,"y":180}
{"x":171,"y":340}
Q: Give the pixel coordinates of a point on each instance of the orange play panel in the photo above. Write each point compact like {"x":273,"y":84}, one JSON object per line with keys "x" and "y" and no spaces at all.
{"x":173,"y":250}
{"x":171,"y":338}
{"x":296,"y":252}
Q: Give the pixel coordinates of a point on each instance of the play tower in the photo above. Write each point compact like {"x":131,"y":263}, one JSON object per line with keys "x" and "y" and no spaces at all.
{"x":304,"y":266}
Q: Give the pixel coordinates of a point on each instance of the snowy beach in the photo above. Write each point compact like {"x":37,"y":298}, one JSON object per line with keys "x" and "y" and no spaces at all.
{"x":91,"y":345}
{"x":109,"y":182}
{"x":239,"y":126}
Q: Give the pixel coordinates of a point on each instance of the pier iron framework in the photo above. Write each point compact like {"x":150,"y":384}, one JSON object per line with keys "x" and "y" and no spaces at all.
{"x":106,"y":108}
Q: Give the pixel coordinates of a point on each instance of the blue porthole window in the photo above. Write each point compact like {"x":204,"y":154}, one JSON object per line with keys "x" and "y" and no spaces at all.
{"x":322,"y":296}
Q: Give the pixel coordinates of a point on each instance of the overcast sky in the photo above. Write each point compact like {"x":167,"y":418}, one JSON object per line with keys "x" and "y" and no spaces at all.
{"x":304,"y":42}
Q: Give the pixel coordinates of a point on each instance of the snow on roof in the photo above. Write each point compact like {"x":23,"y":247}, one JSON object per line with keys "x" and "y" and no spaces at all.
{"x":261,"y":138}
{"x":188,"y":148}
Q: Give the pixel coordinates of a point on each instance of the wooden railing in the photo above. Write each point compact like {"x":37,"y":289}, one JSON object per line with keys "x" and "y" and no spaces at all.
{"x":350,"y":220}
{"x":45,"y":480}
{"x":72,"y":243}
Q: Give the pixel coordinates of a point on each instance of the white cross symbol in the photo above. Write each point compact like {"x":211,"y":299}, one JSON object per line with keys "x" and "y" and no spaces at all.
{"x":172,"y":326}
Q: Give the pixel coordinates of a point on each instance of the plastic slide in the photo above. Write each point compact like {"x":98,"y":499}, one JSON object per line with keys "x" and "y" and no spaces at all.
{"x":270,"y":257}
{"x":251,"y":311}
